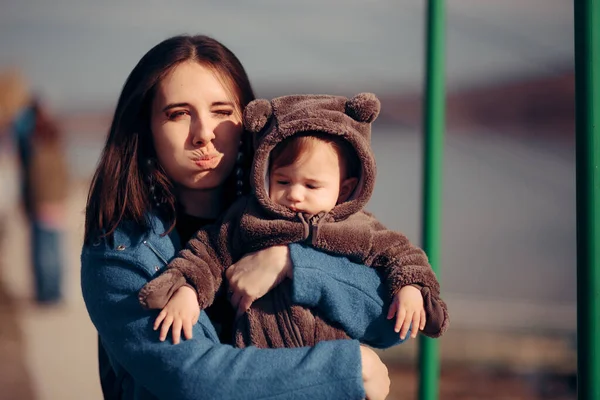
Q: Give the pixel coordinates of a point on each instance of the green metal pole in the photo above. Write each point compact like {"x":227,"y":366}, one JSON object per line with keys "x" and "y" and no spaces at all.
{"x":587,"y":90}
{"x":433,"y":123}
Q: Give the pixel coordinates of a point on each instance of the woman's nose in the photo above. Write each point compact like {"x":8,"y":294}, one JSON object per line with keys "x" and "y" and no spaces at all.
{"x":202,"y":133}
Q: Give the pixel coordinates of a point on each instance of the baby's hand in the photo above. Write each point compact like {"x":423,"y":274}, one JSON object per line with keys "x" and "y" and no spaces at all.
{"x":182,"y":310}
{"x":408,"y":307}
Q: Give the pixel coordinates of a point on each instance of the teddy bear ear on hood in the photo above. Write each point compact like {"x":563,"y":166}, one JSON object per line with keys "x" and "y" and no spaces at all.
{"x":364,"y":107}
{"x":257,"y":115}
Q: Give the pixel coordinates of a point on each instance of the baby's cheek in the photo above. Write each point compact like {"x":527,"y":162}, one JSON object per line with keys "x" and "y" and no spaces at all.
{"x":273,"y":195}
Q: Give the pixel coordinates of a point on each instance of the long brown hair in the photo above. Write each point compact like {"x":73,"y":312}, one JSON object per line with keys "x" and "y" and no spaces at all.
{"x":120,"y":189}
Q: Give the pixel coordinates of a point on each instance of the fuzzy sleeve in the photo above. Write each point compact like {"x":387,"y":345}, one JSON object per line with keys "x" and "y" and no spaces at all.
{"x":403,"y":263}
{"x":200,"y":264}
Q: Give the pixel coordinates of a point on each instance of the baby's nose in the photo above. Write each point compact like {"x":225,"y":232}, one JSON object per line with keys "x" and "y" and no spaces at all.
{"x":294,"y":193}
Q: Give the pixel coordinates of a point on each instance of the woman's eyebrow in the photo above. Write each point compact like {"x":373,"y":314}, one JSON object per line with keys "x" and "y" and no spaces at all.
{"x":174,"y":105}
{"x":223,"y":103}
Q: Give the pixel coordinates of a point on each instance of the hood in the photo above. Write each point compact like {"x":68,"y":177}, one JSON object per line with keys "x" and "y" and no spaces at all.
{"x":270,"y":122}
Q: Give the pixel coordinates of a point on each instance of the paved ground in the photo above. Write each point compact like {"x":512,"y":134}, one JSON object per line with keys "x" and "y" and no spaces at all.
{"x":15,"y":378}
{"x":55,"y":345}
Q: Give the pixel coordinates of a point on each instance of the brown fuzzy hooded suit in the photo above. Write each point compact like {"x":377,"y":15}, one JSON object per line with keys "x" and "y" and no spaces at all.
{"x":255,"y":222}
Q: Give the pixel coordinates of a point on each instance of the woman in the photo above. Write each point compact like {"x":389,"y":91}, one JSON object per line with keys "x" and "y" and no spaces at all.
{"x":173,"y":160}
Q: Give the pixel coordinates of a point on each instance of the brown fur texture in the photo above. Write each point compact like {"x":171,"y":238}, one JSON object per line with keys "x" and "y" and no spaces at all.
{"x":255,"y":223}
{"x":286,"y":116}
{"x":274,"y":321}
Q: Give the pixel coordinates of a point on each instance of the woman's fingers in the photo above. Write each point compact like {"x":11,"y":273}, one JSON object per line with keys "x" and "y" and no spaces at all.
{"x":236,"y":297}
{"x":375,"y":375}
{"x":257,"y":273}
{"x":423,"y":320}
{"x":244,"y":306}
{"x":240,"y":302}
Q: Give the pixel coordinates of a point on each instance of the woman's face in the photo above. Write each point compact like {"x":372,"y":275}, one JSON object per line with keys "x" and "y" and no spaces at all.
{"x":196,"y":127}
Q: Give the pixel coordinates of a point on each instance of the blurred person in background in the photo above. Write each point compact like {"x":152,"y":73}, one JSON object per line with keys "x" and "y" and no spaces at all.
{"x":175,"y":158}
{"x":44,"y":186}
{"x":14,"y":96}
{"x":15,"y":378}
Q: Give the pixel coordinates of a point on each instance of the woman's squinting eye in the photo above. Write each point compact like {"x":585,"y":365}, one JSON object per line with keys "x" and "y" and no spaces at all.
{"x":175,"y":115}
{"x":223,"y":113}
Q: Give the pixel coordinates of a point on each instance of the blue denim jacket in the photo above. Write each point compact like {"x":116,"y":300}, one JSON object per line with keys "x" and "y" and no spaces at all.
{"x":203,"y":368}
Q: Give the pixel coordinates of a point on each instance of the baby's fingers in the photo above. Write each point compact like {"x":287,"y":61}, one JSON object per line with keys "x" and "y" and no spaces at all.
{"x":416,"y":323}
{"x":405,"y":325}
{"x":187,"y":329}
{"x":164,"y":329}
{"x":393,"y":308}
{"x":159,"y":319}
{"x":176,"y":331}
{"x":400,"y":316}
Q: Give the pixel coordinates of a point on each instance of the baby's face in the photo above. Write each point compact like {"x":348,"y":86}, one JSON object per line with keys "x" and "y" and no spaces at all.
{"x":311,"y":184}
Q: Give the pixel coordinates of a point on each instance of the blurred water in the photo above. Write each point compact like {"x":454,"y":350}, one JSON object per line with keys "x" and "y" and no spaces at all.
{"x":508,"y":249}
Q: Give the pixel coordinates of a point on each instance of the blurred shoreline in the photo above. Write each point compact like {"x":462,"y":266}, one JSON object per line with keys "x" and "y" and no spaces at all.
{"x":538,"y":108}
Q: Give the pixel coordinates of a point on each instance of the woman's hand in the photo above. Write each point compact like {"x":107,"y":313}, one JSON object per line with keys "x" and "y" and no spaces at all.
{"x":255,"y":274}
{"x":375,"y":375}
{"x":182,"y":311}
{"x":408,"y":308}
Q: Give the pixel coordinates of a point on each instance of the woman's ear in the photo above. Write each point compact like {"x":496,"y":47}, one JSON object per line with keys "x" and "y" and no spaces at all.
{"x":346,"y":188}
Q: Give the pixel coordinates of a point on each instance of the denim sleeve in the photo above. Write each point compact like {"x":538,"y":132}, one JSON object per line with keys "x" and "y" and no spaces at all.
{"x":202,"y":367}
{"x":347,"y":293}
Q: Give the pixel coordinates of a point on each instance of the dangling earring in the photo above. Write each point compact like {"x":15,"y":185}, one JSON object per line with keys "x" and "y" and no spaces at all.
{"x":150,"y":181}
{"x":239,"y":171}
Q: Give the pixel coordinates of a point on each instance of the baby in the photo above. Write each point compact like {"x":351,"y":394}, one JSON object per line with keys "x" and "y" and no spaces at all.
{"x":312,"y":174}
